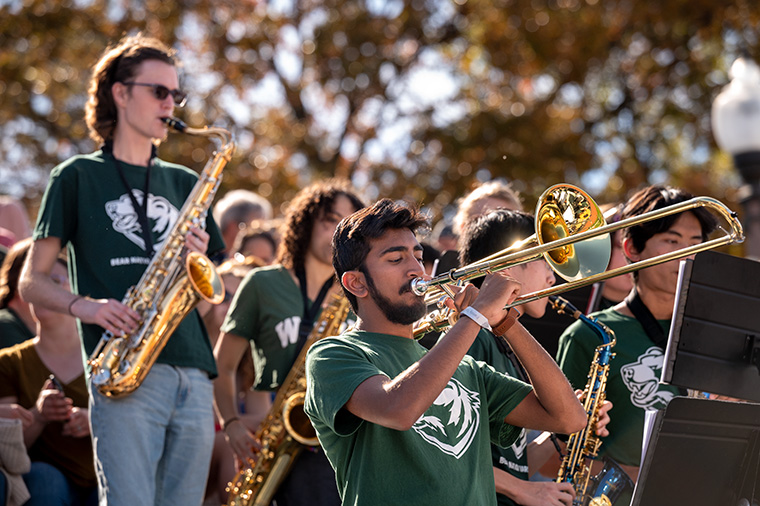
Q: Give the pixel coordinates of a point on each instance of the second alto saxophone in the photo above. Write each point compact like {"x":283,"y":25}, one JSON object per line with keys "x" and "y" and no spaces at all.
{"x":583,"y":446}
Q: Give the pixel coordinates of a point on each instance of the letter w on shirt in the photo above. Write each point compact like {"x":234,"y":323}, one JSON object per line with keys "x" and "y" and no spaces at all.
{"x":287,"y":330}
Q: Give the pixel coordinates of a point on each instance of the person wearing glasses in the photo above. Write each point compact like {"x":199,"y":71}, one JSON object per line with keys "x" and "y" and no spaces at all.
{"x":112,"y":209}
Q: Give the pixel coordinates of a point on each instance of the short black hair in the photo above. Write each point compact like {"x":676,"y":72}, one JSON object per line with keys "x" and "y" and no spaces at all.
{"x":656,"y":197}
{"x":351,"y":240}
{"x":494,"y":232}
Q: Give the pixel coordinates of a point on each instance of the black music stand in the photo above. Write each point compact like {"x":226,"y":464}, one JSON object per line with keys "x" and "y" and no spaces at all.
{"x":714,"y":342}
{"x":702,"y":453}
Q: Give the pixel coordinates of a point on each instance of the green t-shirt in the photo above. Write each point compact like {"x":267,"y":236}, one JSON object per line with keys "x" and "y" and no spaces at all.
{"x":633,"y":384}
{"x":514,"y":458}
{"x":12,"y":329}
{"x":443,"y":459}
{"x":267,"y":310}
{"x":87,"y":207}
{"x":22,"y":375}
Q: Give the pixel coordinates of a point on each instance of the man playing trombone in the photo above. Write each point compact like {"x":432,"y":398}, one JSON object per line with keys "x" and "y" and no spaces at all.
{"x":641,"y":322}
{"x":391,"y":416}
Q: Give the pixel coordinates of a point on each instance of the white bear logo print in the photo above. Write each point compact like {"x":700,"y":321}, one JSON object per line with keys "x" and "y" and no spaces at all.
{"x":643,"y":379}
{"x":124,"y":218}
{"x":455,"y":435}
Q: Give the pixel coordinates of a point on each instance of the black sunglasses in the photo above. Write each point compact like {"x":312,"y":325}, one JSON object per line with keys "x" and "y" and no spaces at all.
{"x":161,"y":92}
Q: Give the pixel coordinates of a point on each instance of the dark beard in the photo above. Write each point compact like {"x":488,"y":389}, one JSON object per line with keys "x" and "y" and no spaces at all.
{"x":400,"y":313}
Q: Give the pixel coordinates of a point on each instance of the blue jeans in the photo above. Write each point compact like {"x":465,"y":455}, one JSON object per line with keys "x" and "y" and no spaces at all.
{"x":49,"y":487}
{"x":154,"y":446}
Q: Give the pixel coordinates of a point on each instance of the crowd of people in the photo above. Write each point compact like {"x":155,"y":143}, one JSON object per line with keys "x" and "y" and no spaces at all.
{"x":464,"y":416}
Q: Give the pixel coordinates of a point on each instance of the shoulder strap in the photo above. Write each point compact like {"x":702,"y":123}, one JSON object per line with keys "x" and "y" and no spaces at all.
{"x":310,"y":311}
{"x":647,"y":320}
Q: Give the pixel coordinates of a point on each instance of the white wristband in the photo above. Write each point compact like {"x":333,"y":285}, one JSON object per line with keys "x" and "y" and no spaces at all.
{"x":474,"y":315}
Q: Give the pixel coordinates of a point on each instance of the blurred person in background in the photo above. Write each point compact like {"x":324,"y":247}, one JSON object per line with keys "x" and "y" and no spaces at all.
{"x":236,"y":210}
{"x":491,"y":195}
{"x":16,"y":321}
{"x":257,"y":239}
{"x":271,"y":316}
{"x":14,"y":218}
{"x":43,"y":379}
{"x":253,"y":405}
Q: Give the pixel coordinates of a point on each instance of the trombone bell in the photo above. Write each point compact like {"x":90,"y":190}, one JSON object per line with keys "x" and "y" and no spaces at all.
{"x":565,"y":210}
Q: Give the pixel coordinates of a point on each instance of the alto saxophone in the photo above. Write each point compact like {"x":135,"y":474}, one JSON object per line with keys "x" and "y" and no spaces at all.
{"x":286,"y":430}
{"x":171,"y":286}
{"x":583,"y":446}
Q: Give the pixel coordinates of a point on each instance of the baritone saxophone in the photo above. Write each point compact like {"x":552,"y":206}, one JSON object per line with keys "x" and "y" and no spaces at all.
{"x":286,"y":430}
{"x":171,"y":286}
{"x":583,"y":446}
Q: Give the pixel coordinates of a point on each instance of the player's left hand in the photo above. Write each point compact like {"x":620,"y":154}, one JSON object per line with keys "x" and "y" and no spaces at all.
{"x":197,"y":240}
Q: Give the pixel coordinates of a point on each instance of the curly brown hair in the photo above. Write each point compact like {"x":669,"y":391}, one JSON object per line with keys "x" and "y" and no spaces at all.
{"x":309,"y":205}
{"x":119,"y":63}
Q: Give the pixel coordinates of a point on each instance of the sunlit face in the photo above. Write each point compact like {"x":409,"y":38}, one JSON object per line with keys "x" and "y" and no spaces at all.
{"x":324,"y":227}
{"x":139,"y":111}
{"x":686,"y":231}
{"x":394,"y":260}
{"x":534,"y":276}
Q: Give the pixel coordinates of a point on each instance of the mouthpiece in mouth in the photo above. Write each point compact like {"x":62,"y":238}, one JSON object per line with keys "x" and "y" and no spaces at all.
{"x":175,"y":124}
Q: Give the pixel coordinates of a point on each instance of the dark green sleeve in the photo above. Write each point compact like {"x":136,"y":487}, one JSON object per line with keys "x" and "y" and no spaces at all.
{"x":243,"y":315}
{"x":57,"y":216}
{"x":575,"y":353}
{"x":333,"y":371}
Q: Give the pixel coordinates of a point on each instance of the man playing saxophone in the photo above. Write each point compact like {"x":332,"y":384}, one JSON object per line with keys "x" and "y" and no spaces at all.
{"x":640,"y":323}
{"x":112,"y":209}
{"x":271,"y":316}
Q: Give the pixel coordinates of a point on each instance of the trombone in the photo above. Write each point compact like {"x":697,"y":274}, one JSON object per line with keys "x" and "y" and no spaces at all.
{"x":573,"y":236}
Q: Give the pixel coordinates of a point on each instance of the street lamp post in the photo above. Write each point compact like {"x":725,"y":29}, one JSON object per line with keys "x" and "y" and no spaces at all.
{"x":736,"y":127}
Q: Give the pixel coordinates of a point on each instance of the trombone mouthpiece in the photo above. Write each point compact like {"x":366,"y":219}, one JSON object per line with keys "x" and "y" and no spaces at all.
{"x":175,"y":124}
{"x":419,"y":286}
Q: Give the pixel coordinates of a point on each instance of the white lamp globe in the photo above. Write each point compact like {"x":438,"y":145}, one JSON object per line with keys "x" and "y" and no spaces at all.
{"x":736,"y":110}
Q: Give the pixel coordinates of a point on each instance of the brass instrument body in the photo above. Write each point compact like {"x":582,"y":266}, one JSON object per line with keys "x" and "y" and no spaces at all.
{"x":588,"y":235}
{"x":287,"y":430}
{"x":170,"y":287}
{"x":583,"y":446}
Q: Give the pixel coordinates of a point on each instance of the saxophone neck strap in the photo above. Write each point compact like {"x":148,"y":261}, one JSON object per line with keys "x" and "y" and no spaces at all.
{"x":645,"y":317}
{"x":141,"y":209}
{"x":310,"y":310}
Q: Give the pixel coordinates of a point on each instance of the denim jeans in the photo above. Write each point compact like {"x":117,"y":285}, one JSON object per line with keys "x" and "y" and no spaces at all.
{"x":49,"y":487}
{"x":154,"y":445}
